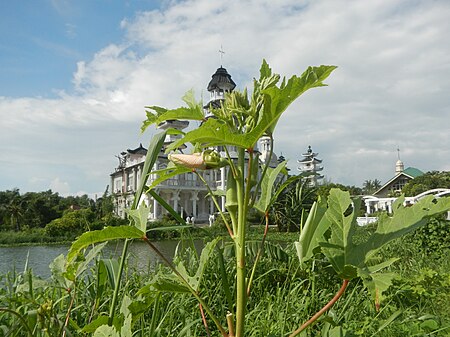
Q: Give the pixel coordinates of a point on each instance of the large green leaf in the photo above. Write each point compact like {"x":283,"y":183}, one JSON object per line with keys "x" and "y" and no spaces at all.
{"x":312,"y":231}
{"x":105,"y":234}
{"x":193,"y":111}
{"x":403,"y":221}
{"x":139,"y":216}
{"x":184,"y":281}
{"x":268,"y":183}
{"x":195,"y":280}
{"x":153,"y":151}
{"x":342,"y":225}
{"x":346,"y":256}
{"x":268,"y":104}
{"x":277,"y":99}
{"x":215,"y":132}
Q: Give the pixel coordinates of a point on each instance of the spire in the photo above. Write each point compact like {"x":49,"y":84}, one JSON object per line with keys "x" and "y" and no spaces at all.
{"x":221,"y":52}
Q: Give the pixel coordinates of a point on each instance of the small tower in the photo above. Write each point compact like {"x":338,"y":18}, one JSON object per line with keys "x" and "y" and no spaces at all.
{"x":311,"y":164}
{"x":265,"y":146}
{"x":175,"y":124}
{"x":399,"y":167}
{"x":220,"y":83}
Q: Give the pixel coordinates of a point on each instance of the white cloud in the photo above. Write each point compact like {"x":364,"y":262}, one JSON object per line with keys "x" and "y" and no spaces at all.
{"x":391,"y":87}
{"x":61,"y":187}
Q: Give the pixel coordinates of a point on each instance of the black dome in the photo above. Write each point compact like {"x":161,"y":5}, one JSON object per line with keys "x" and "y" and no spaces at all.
{"x":221,"y":80}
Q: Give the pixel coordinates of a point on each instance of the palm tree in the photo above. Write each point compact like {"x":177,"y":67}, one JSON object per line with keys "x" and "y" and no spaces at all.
{"x":15,"y":212}
{"x":371,"y":186}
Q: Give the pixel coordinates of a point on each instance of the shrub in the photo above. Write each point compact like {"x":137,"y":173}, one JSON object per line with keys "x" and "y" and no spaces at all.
{"x":72,"y":223}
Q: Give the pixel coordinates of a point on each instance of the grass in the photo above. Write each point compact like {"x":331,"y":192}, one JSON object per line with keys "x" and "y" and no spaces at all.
{"x":283,"y":296}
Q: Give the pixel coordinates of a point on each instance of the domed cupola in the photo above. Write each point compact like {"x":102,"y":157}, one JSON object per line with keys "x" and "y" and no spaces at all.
{"x":221,"y":82}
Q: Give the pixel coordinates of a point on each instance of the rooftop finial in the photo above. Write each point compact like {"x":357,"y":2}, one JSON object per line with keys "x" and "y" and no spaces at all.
{"x":221,"y":52}
{"x":398,"y":152}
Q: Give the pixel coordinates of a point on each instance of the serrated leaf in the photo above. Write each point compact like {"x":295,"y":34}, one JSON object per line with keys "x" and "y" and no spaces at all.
{"x":403,"y":221}
{"x":195,"y":280}
{"x":106,"y":331}
{"x":376,"y":283}
{"x":337,"y":249}
{"x":193,"y":111}
{"x":105,"y":234}
{"x":215,"y":132}
{"x":275,"y":101}
{"x":169,"y":284}
{"x":139,"y":216}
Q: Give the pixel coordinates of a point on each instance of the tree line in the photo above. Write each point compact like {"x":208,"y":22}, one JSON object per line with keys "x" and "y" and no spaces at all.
{"x":58,"y":214}
{"x":35,"y":210}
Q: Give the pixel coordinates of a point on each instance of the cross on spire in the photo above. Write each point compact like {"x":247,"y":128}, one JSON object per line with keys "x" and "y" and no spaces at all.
{"x":221,"y":52}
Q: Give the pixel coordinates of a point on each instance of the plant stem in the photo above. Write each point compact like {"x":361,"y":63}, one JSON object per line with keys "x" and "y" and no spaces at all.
{"x":259,"y":254}
{"x":204,"y":320}
{"x":241,"y":288}
{"x":188,"y":286}
{"x":117,"y":285}
{"x":66,"y":322}
{"x":321,"y":311}
{"x":215,"y":203}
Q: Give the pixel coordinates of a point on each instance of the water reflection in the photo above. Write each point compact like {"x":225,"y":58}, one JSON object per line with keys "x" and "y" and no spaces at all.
{"x":140,"y":256}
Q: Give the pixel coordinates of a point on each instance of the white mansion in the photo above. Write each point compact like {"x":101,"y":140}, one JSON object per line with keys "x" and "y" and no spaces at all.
{"x":185,"y":193}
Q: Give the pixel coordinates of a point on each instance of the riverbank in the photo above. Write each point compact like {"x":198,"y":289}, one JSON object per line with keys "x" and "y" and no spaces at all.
{"x":36,"y":237}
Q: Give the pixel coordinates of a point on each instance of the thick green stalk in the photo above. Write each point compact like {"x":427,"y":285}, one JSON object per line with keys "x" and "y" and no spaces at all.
{"x":241,"y":286}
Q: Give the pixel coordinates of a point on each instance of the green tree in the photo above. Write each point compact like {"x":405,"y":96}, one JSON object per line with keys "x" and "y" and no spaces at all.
{"x":324,"y":190}
{"x":71,"y":224}
{"x":428,"y":181}
{"x":41,"y":208}
{"x":371,"y":186}
{"x":7,"y":199}
{"x":297,"y":198}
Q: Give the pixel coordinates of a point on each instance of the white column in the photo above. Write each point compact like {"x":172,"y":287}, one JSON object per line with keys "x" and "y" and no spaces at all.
{"x":155,"y":209}
{"x":175,"y":198}
{"x":194,"y":203}
{"x":367,"y":202}
{"x":222,"y":186}
{"x":211,"y":206}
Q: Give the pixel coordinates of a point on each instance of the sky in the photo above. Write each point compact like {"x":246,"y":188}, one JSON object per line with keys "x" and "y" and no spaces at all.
{"x":75,"y":77}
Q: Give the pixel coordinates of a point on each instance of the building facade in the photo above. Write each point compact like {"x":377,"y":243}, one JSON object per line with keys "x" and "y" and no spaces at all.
{"x":185,"y":193}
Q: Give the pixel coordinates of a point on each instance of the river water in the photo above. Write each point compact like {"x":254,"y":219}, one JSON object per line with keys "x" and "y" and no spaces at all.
{"x":38,"y":258}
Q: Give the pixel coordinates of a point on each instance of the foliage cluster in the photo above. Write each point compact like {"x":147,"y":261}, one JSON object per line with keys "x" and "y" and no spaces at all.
{"x":63,"y":218}
{"x":427,"y":181}
{"x":283,"y":294}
